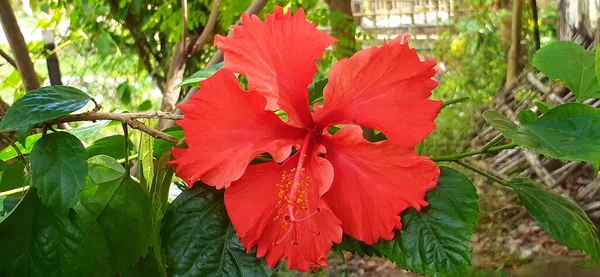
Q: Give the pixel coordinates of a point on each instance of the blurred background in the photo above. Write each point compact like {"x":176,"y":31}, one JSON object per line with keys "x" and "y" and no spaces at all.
{"x":128,"y":55}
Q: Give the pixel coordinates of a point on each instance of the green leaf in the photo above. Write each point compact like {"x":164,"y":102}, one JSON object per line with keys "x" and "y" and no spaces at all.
{"x":161,"y":146}
{"x":199,"y":239}
{"x":10,"y":202}
{"x":145,"y":267}
{"x":42,"y":105}
{"x":9,"y":152}
{"x":200,"y":75}
{"x":146,"y":159}
{"x":13,"y":176}
{"x":145,"y":106}
{"x":122,"y":210}
{"x":436,"y":241}
{"x":564,"y":220}
{"x":124,"y":92}
{"x":89,"y":130}
{"x":102,"y":169}
{"x":315,"y":91}
{"x":37,"y":241}
{"x":113,"y":146}
{"x":568,"y":62}
{"x":597,"y":60}
{"x":527,"y":116}
{"x":569,"y":132}
{"x":353,"y":245}
{"x":58,"y":169}
{"x":544,"y":107}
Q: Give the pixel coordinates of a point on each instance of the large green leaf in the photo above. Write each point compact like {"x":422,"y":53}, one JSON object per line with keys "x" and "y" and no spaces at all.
{"x":200,"y":75}
{"x":568,"y":62}
{"x":58,"y":169}
{"x":569,"y":132}
{"x":560,"y":217}
{"x":42,"y":105}
{"x":436,"y":241}
{"x":13,"y":176}
{"x":161,"y":146}
{"x":9,"y":152}
{"x":146,"y":159}
{"x":102,"y":169}
{"x":199,"y":239}
{"x":122,"y":209}
{"x":36,"y":241}
{"x":113,"y":146}
{"x":89,"y":130}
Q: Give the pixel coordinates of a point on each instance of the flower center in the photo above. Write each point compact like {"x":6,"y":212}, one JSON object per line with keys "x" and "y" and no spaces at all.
{"x":293,"y":204}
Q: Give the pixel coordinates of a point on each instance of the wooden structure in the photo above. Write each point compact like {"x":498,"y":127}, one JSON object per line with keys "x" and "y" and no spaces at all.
{"x":386,"y":19}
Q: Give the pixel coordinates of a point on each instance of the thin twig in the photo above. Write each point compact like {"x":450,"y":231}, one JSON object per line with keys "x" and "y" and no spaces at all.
{"x":9,"y":59}
{"x":208,"y":29}
{"x":490,"y":150}
{"x":480,"y":172}
{"x":92,"y":116}
{"x":127,"y":118}
{"x":13,"y":191}
{"x":19,"y":153}
{"x":184,"y":19}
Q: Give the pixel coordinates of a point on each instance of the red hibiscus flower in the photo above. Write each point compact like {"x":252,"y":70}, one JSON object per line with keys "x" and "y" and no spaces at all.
{"x":296,"y":207}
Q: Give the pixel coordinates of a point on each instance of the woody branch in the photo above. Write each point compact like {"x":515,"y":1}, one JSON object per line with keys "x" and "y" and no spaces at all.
{"x":130,"y":119}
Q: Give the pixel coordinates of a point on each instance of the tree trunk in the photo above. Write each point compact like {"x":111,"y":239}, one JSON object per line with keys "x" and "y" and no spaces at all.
{"x":342,"y":27}
{"x":18,"y":46}
{"x":515,"y":42}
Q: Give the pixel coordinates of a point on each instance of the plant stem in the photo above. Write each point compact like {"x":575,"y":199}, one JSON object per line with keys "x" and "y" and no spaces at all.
{"x":489,"y":150}
{"x":13,"y":191}
{"x":480,"y":172}
{"x":132,"y":157}
{"x":455,"y":101}
{"x":492,"y":142}
{"x":19,"y":153}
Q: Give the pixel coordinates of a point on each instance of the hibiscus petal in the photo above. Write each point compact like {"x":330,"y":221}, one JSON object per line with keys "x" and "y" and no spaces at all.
{"x":385,"y":88}
{"x":278,"y":57}
{"x":225,"y":128}
{"x":374,"y":182}
{"x":259,"y":212}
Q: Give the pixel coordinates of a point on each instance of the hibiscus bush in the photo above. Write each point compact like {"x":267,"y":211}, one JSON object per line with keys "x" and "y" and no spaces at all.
{"x":277,"y":172}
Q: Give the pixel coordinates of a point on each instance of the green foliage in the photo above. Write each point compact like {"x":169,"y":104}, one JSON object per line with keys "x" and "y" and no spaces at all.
{"x":200,"y":75}
{"x":436,"y":241}
{"x":113,"y":146}
{"x":122,"y":209}
{"x":42,"y":105}
{"x":9,"y":152}
{"x":38,"y":241}
{"x":199,"y":240}
{"x":561,"y":218}
{"x":161,"y":146}
{"x":146,"y":165}
{"x":568,"y":62}
{"x":59,"y":169}
{"x":13,"y":176}
{"x":569,"y":132}
{"x":103,"y":169}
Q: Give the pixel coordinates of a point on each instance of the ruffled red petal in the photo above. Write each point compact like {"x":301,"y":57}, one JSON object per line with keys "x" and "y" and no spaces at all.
{"x":225,"y":128}
{"x":385,"y":88}
{"x":278,"y":57}
{"x":259,"y":211}
{"x":374,"y":182}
